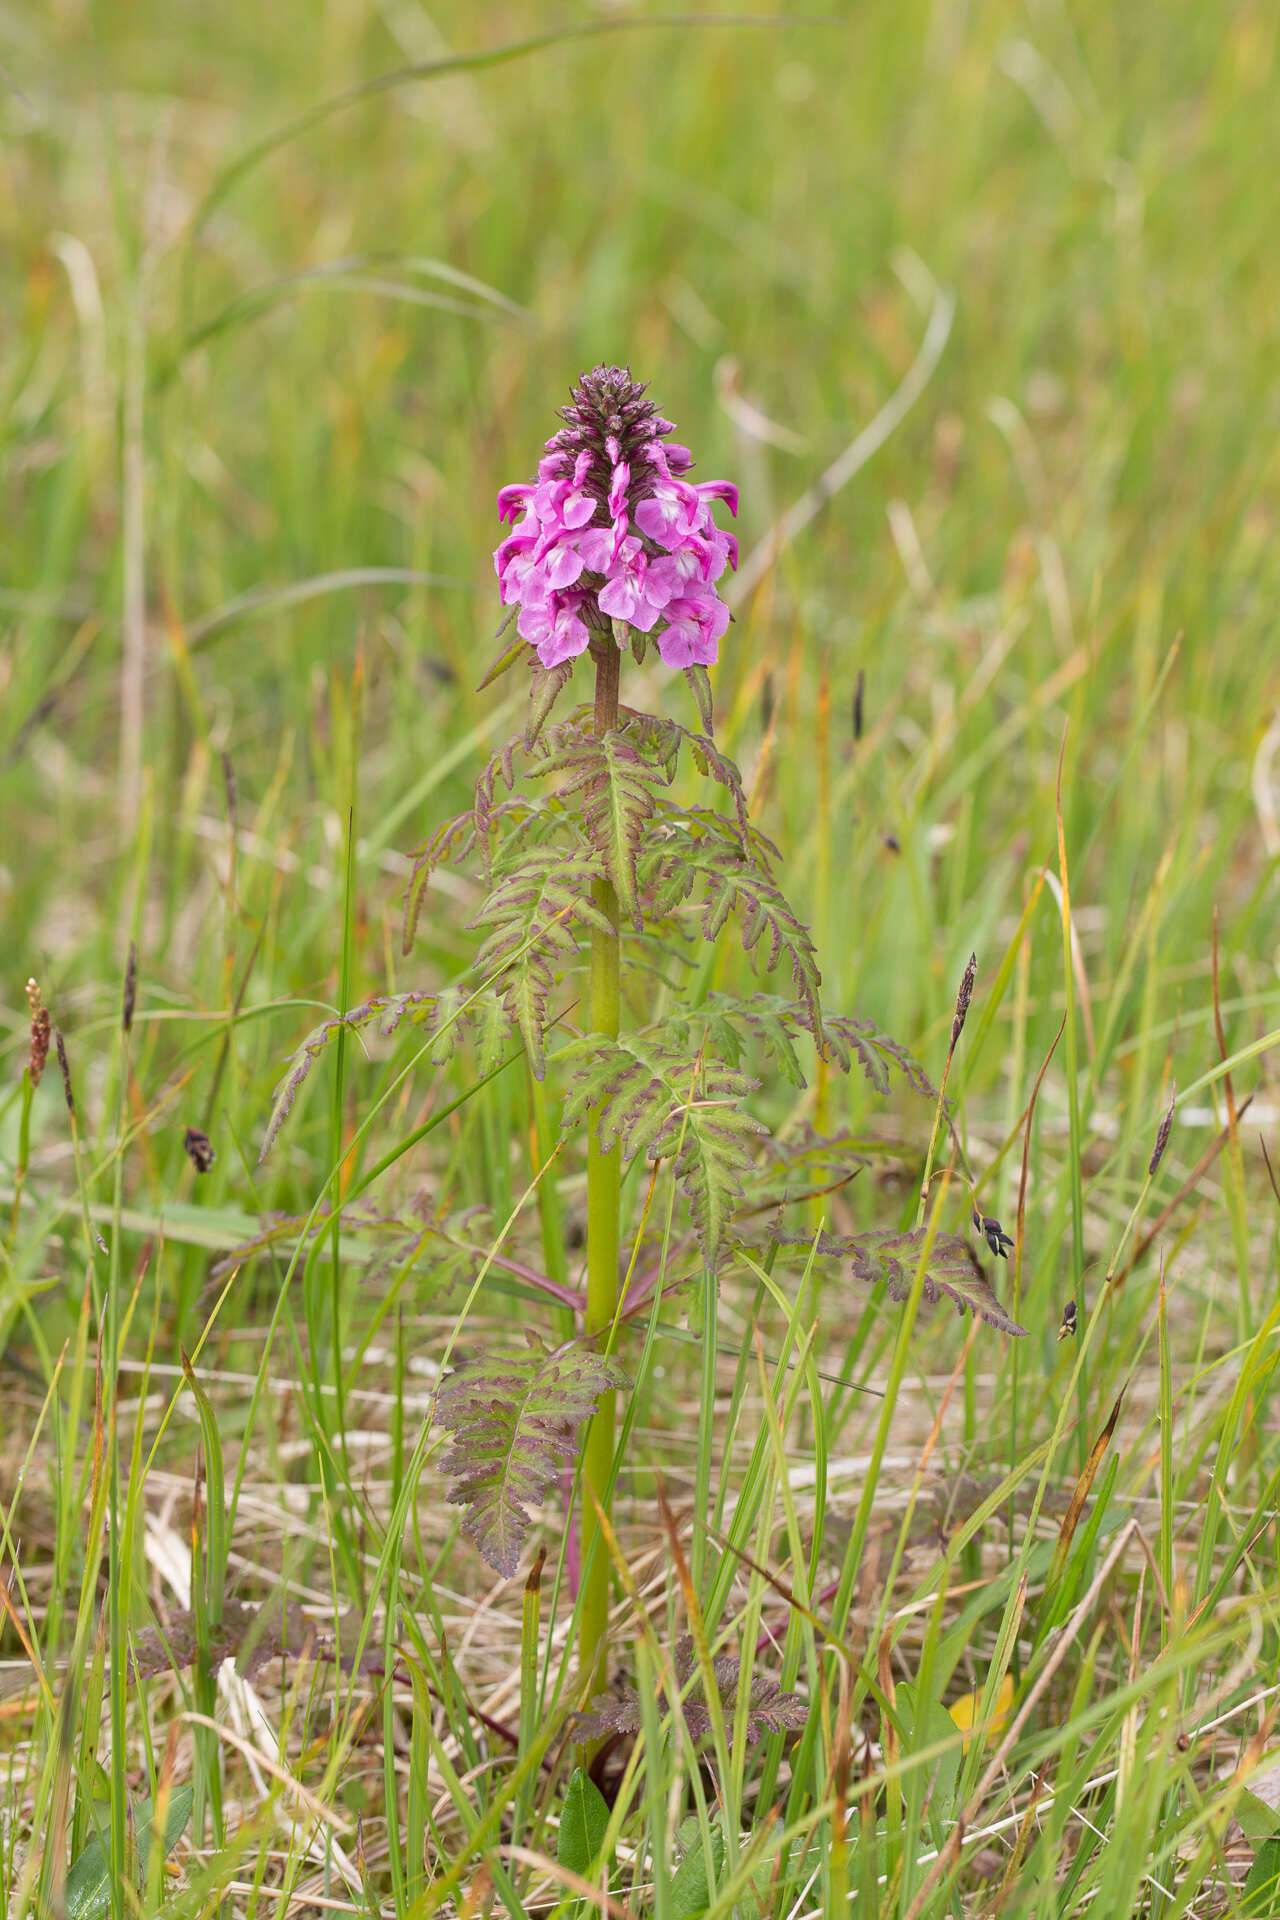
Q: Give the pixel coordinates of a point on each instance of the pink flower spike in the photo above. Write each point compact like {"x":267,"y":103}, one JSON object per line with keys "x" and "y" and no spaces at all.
{"x":676,"y":573}
{"x":666,"y":516}
{"x":609,"y":532}
{"x":523,"y":584}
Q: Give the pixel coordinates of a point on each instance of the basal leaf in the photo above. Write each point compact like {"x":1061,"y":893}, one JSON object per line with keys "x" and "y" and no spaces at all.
{"x":690,"y":1892}
{"x":1260,"y":1894}
{"x":584,"y":1821}
{"x":769,"y":1708}
{"x":88,"y":1887}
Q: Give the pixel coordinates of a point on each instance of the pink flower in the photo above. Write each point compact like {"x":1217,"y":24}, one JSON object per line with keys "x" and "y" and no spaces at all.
{"x":556,"y":628}
{"x":695,"y":626}
{"x":635,"y":591}
{"x":610,"y":531}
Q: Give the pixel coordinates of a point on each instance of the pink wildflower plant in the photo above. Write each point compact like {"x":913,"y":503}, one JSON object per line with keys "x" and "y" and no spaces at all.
{"x":611,"y":530}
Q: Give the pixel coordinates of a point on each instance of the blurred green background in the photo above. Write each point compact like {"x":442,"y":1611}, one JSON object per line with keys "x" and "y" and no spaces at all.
{"x":268,"y":320}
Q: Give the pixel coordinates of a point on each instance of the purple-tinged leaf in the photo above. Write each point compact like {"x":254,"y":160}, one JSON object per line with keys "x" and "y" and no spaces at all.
{"x":893,"y":1258}
{"x":769,"y":1710}
{"x":514,"y":1413}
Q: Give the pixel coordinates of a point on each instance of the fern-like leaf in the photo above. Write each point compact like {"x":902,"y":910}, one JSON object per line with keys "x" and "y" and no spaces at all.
{"x":616,"y":788}
{"x":734,"y":881}
{"x":722,"y":1023}
{"x":531,"y":917}
{"x":646,"y":1095}
{"x":546,"y":684}
{"x":846,"y":1040}
{"x":453,"y":840}
{"x":501,"y":767}
{"x":662,"y":740}
{"x":377,"y":1243}
{"x":722,"y":1020}
{"x":700,"y":686}
{"x":769,"y":1708}
{"x":894,"y":1258}
{"x":514,"y":1414}
{"x":387,"y":1011}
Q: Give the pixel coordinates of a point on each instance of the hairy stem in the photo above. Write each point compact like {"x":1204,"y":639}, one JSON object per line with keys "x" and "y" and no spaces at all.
{"x":602,"y":1243}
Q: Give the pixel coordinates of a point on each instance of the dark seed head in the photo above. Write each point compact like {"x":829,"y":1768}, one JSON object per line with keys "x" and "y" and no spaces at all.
{"x":199,"y":1149}
{"x":857,"y":704}
{"x":41,"y":1033}
{"x":1069,"y":1321}
{"x":130,"y":989}
{"x":1162,"y":1136}
{"x":993,"y":1233}
{"x":66,"y":1072}
{"x":963,"y":999}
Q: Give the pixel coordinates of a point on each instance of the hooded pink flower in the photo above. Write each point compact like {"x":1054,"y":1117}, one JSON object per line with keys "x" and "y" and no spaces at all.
{"x":611,"y":531}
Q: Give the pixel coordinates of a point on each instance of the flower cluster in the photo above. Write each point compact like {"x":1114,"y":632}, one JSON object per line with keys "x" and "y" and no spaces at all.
{"x":610,"y":530}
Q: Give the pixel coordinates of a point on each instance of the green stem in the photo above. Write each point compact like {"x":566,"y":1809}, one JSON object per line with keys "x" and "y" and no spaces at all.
{"x":117,"y":1595}
{"x":550,"y":1212}
{"x":603,"y":1179}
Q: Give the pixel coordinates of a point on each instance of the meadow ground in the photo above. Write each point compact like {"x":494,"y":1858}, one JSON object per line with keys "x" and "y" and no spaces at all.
{"x":289,"y":293}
